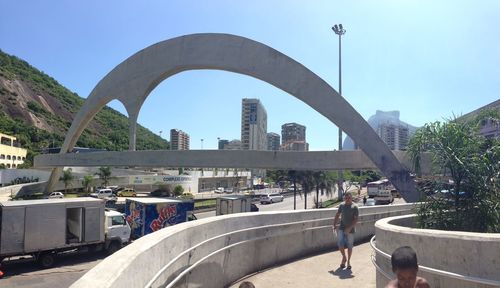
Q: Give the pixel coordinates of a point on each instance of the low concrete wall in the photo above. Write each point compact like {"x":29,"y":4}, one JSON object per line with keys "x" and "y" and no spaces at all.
{"x":217,"y":251}
{"x":465,"y":253}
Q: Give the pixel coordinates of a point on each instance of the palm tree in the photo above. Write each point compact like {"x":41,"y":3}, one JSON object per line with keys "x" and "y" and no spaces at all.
{"x":67,"y":177}
{"x":104,"y":174}
{"x":86,"y":182}
{"x":319,"y":179}
{"x":292,"y":175}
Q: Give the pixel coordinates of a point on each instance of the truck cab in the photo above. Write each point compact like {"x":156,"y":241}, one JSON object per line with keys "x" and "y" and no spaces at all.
{"x":116,"y":229}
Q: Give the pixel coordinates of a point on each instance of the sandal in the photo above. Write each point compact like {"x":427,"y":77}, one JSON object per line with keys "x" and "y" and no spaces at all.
{"x":349,"y":266}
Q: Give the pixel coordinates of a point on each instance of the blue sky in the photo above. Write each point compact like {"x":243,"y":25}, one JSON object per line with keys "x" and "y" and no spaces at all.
{"x":428,"y":59}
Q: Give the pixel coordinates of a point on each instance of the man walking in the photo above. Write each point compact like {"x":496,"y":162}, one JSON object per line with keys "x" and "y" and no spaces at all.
{"x":348,"y":214}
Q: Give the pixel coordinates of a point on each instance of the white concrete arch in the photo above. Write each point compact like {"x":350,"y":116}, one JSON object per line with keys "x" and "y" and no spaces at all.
{"x":133,"y":80}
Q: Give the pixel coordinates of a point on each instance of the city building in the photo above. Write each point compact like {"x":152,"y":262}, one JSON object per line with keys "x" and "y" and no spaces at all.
{"x":489,"y":127}
{"x":293,"y":137}
{"x":253,"y":125}
{"x":292,"y":132}
{"x":179,"y":140}
{"x":233,"y":145}
{"x":394,"y":132}
{"x":273,"y":141}
{"x":222,"y":143}
{"x":295,"y":146}
{"x":395,"y":136}
{"x":11,"y":154}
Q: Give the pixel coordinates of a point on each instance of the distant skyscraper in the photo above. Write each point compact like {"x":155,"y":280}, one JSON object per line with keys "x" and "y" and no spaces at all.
{"x":273,"y":141}
{"x":253,"y":125}
{"x":394,"y":132}
{"x":222,"y":143}
{"x":293,"y":137}
{"x":292,"y":132}
{"x":395,"y":136}
{"x":179,"y":140}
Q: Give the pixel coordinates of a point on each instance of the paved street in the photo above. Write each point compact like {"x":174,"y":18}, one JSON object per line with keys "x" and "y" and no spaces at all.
{"x":68,"y":269}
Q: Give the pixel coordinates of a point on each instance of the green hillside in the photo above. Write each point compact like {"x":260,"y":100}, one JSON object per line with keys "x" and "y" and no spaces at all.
{"x":37,"y":110}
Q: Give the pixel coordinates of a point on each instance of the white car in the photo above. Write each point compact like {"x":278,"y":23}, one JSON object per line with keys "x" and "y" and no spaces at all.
{"x":55,"y":195}
{"x":219,"y":190}
{"x":102,"y":193}
{"x":370,"y":202}
{"x":271,"y":198}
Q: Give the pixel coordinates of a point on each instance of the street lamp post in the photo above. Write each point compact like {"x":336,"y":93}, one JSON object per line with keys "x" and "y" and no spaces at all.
{"x":201,"y":144}
{"x":339,"y":30}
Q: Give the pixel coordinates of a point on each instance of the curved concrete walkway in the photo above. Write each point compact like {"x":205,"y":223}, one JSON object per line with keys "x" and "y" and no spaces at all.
{"x":319,"y":271}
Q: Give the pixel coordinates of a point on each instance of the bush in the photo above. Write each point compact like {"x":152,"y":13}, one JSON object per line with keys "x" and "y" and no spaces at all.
{"x":467,"y":168}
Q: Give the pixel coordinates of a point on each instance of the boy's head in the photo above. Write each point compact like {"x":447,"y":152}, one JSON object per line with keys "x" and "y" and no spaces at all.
{"x":246,"y":284}
{"x":348,"y":198}
{"x":405,"y":266}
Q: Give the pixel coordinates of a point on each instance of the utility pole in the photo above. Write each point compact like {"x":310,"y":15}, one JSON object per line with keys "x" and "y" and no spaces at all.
{"x":339,"y":30}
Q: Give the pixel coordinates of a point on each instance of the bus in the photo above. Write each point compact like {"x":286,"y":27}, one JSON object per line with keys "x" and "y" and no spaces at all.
{"x":380,"y":190}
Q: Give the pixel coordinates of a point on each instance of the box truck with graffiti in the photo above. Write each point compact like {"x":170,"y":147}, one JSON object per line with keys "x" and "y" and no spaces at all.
{"x":45,"y":228}
{"x":148,"y":215}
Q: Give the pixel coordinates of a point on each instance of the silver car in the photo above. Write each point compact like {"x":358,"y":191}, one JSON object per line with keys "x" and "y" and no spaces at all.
{"x":271,"y":198}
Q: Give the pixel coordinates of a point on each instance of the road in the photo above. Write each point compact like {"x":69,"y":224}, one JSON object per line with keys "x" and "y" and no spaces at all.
{"x":68,"y":269}
{"x":287,"y":204}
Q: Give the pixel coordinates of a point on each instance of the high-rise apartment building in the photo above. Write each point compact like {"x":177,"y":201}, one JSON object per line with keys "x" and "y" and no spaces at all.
{"x":395,"y":136}
{"x":293,"y":137}
{"x":179,"y":140}
{"x":273,"y":141}
{"x":292,"y":132}
{"x":253,"y":125}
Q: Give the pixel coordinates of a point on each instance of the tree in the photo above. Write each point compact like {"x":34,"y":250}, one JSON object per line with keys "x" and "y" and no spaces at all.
{"x":104,"y":174}
{"x":319,"y":179}
{"x":468,"y":169}
{"x":67,"y":177}
{"x":178,"y":190}
{"x":87,"y":179}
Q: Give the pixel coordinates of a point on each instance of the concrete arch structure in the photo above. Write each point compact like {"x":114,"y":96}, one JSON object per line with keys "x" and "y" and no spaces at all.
{"x":131,"y":82}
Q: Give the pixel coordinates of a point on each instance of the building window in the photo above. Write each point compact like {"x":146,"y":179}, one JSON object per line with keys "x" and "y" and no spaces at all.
{"x":13,"y":165}
{"x":8,"y":165}
{"x":2,"y":156}
{"x":8,"y":157}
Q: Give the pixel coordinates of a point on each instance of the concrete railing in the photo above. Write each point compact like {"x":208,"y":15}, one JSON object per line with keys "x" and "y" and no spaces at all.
{"x":446,"y":258}
{"x":217,"y":251}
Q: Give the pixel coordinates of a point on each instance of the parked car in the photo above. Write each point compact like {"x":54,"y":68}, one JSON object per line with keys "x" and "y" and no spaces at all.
{"x":370,"y":202}
{"x":102,"y":193}
{"x":254,"y":208}
{"x":127,"y":192}
{"x":219,"y":190}
{"x":271,"y":198}
{"x":228,"y":190}
{"x":55,"y":195}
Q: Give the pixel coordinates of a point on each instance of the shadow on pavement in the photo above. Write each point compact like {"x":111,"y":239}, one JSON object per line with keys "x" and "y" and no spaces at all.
{"x":342,"y":273}
{"x":68,"y":261}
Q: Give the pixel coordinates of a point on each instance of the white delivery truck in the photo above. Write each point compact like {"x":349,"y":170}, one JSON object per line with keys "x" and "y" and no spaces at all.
{"x":44,"y":228}
{"x":234,"y":204}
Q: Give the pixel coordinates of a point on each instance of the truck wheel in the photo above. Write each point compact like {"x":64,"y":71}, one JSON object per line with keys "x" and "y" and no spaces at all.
{"x":46,"y":260}
{"x":113,"y":247}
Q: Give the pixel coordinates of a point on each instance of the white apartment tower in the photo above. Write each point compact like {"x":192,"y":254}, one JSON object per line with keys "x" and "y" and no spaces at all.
{"x":253,"y":125}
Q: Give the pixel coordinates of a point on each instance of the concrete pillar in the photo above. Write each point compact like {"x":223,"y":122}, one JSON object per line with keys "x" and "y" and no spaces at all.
{"x":132,"y":131}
